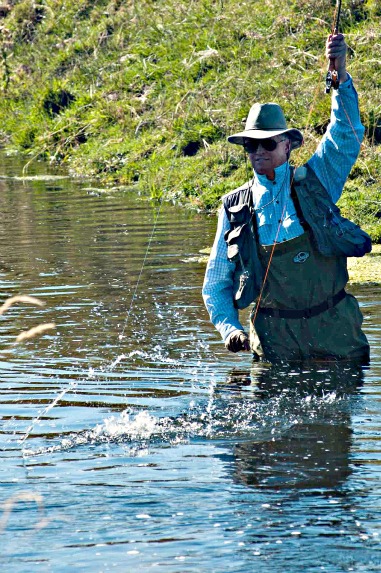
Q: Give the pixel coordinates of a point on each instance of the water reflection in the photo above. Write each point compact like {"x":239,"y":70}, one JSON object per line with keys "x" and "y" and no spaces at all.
{"x":267,"y":380}
{"x":314,"y":452}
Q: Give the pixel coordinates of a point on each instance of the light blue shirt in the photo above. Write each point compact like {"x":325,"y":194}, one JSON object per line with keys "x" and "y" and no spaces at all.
{"x":331,"y":162}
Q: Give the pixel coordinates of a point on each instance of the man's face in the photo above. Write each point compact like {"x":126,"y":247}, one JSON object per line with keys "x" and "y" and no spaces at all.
{"x":263,"y":160}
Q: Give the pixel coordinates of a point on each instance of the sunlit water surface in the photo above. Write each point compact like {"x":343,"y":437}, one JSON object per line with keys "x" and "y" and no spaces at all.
{"x":130,"y":440}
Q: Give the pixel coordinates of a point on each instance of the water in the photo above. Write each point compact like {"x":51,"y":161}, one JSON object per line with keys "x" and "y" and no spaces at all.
{"x":130,"y":440}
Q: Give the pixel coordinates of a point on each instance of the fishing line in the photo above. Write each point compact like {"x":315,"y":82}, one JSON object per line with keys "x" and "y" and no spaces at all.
{"x":72,"y":385}
{"x":64,"y":391}
{"x":272,"y":251}
{"x":47,"y":409}
{"x":155,"y":222}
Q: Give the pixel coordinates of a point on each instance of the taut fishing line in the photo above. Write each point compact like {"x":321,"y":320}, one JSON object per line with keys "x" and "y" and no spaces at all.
{"x":113,"y":364}
{"x":72,"y":385}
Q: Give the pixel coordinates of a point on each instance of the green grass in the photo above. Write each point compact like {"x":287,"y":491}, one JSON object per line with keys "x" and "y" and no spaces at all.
{"x":143,"y":93}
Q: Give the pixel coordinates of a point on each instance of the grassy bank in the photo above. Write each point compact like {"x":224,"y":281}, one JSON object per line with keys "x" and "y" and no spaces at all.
{"x":143,"y":93}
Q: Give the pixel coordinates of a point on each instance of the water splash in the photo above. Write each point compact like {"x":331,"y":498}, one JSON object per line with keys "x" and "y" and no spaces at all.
{"x":157,"y":355}
{"x":213,"y":418}
{"x":135,"y":426}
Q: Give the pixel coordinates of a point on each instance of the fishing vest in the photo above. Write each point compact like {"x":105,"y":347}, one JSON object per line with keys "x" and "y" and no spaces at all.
{"x":331,"y":234}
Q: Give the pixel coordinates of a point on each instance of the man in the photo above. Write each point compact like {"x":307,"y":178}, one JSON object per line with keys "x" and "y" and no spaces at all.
{"x":282,"y":243}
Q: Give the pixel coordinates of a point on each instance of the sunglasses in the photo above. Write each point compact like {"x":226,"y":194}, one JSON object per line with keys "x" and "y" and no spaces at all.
{"x":251,"y":145}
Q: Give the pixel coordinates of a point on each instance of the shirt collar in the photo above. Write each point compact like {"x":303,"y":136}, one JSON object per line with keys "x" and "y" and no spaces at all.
{"x":281,"y":173}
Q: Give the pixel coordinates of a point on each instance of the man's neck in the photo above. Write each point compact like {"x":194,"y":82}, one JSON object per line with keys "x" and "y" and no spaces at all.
{"x":271,"y":176}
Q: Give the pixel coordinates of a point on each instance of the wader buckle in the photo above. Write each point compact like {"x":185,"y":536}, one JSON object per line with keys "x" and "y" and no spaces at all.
{"x":308,"y":313}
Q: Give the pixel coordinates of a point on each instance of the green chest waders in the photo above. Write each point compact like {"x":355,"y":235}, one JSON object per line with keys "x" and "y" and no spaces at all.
{"x":304,"y":312}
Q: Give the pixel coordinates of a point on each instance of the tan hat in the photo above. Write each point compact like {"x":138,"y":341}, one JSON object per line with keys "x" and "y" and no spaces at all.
{"x":266,"y":120}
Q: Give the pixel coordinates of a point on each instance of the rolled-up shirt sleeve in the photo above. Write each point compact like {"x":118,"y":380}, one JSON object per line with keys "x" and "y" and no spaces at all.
{"x":217,"y":290}
{"x":340,"y":145}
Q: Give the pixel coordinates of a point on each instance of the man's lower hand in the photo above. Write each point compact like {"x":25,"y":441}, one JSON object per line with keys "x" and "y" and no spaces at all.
{"x":237,"y":341}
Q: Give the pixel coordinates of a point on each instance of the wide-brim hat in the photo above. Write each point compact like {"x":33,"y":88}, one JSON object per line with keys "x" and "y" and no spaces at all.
{"x":266,"y":120}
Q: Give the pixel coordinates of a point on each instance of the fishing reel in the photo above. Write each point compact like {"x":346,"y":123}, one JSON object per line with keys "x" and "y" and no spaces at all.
{"x":332,"y":77}
{"x":331,"y":81}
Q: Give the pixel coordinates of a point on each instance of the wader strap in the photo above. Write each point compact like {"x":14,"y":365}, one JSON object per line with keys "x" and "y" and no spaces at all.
{"x":298,"y":208}
{"x":306,"y":312}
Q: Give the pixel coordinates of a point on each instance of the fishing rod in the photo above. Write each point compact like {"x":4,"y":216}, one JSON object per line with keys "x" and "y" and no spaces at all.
{"x":332,"y":77}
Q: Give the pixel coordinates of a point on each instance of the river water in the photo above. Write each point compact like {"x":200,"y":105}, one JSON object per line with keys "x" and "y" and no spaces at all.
{"x":130,"y":440}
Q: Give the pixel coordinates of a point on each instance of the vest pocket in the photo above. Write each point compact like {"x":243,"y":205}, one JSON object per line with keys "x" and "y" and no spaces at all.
{"x":235,"y":240}
{"x":241,"y":250}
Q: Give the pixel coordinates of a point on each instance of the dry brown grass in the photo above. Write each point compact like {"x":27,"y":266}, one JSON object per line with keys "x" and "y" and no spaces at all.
{"x":35,"y":330}
{"x":20,"y":298}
